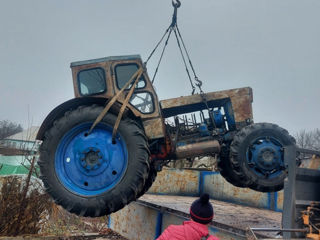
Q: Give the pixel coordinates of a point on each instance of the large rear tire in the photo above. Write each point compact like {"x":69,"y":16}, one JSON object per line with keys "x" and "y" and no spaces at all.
{"x":91,"y":175}
{"x":257,"y":155}
{"x":151,"y":178}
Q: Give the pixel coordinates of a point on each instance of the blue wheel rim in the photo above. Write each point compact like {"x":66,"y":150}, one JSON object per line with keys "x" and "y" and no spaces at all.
{"x":90,"y":165}
{"x":265,"y":157}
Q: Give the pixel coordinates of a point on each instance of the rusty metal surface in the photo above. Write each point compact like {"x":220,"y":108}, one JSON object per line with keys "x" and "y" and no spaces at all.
{"x":280,"y":198}
{"x":135,"y":222}
{"x":220,"y":189}
{"x":315,"y":162}
{"x":197,"y":149}
{"x":174,"y":181}
{"x":194,"y":182}
{"x":241,"y":99}
{"x":146,"y":219}
{"x":230,"y":216}
{"x":154,"y":128}
{"x":104,"y":65}
{"x":148,"y":88}
{"x":109,"y":67}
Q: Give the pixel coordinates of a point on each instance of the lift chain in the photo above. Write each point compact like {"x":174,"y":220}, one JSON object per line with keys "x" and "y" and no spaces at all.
{"x":163,"y":50}
{"x":174,"y":27}
{"x":184,"y":61}
{"x":198,"y":82}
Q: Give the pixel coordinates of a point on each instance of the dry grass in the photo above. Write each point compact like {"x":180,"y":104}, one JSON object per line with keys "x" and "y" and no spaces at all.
{"x":62,"y":222}
{"x":28,"y":210}
{"x":22,"y":209}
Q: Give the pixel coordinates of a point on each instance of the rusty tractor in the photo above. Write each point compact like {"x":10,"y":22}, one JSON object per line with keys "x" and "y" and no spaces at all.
{"x":103,"y":148}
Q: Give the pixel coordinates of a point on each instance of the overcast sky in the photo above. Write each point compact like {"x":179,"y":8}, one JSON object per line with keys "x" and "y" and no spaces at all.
{"x":269,"y":45}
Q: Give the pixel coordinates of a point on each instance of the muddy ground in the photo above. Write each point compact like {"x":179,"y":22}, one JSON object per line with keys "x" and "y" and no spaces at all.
{"x":105,"y":234}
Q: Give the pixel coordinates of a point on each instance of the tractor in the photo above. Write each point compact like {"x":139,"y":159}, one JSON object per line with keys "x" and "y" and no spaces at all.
{"x":103,"y":149}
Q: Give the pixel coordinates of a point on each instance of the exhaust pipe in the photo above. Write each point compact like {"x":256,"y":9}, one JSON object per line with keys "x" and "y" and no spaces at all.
{"x":197,"y":149}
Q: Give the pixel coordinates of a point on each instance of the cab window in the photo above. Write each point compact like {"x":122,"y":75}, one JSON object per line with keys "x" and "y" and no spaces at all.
{"x":143,"y":101}
{"x":124,"y":73}
{"x":92,"y":81}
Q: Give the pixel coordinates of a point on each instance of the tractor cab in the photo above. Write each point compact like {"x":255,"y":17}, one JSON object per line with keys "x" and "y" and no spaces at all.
{"x":105,"y":77}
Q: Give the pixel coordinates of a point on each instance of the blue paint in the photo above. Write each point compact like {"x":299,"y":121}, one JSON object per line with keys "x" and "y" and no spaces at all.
{"x":229,"y":115}
{"x":90,"y":165}
{"x":269,"y":201}
{"x":212,"y":229}
{"x":276,"y":202}
{"x":203,"y":129}
{"x":109,"y":221}
{"x":218,"y":118}
{"x":158,"y":225}
{"x":265,"y":158}
{"x":201,"y":180}
{"x":200,"y":183}
{"x":181,"y":144}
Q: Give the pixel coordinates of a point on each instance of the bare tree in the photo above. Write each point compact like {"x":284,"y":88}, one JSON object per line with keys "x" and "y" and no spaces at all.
{"x":8,"y":128}
{"x":308,"y":139}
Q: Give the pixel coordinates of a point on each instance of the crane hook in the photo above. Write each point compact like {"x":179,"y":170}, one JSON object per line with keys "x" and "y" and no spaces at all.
{"x":176,"y":4}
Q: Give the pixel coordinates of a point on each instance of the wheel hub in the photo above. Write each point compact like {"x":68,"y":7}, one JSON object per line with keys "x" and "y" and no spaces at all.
{"x":265,"y":157}
{"x":268,"y":156}
{"x":91,"y":159}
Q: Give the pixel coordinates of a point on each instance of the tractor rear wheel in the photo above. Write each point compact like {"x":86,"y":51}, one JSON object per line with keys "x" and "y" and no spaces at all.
{"x":151,"y":178}
{"x":257,"y":155}
{"x":90,"y":175}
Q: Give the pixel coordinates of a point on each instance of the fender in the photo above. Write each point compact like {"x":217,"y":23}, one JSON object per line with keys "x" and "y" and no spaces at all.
{"x":72,"y":104}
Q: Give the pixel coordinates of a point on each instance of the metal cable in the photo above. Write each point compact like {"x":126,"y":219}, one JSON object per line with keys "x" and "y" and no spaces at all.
{"x":174,"y":26}
{"x":164,"y":48}
{"x":157,"y":45}
{"x":199,"y":83}
{"x":184,"y":60}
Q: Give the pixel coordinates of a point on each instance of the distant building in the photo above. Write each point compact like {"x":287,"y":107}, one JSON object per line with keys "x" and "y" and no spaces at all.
{"x":16,"y":151}
{"x":20,"y":143}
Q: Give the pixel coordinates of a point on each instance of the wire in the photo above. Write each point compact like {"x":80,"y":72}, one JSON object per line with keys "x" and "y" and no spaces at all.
{"x":184,"y":61}
{"x":164,"y":48}
{"x":157,"y":45}
{"x":183,"y":50}
{"x":199,"y":83}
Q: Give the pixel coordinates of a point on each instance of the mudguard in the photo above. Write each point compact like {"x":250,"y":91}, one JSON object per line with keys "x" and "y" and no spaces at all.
{"x":74,"y":103}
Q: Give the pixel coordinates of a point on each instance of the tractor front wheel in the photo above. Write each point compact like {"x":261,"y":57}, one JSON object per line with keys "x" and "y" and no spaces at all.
{"x":257,"y":155}
{"x":91,"y":175}
{"x":226,"y":171}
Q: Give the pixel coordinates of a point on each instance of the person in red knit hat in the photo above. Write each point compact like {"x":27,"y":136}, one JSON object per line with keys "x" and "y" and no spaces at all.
{"x":201,"y":213}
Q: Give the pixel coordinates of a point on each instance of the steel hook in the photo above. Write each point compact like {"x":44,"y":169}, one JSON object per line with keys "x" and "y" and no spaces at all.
{"x":176,"y":4}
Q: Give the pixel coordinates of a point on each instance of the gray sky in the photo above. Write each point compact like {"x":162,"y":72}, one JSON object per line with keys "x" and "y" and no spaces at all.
{"x":270,"y":45}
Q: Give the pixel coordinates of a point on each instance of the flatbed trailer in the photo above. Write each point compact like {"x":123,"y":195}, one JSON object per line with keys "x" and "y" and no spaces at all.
{"x":151,"y":214}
